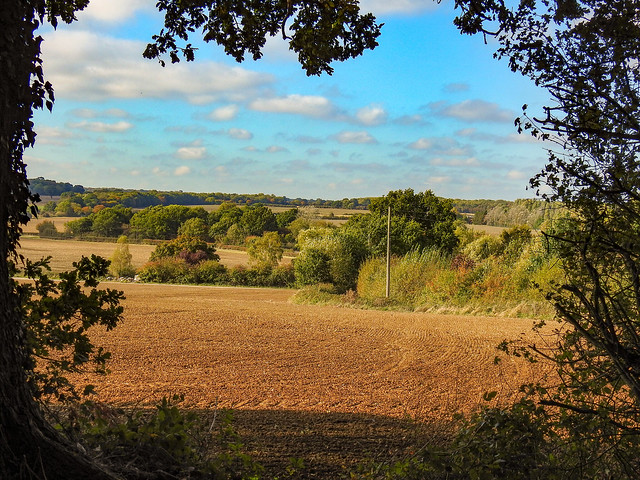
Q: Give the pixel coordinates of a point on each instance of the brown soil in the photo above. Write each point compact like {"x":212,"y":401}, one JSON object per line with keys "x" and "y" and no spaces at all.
{"x":331,"y":385}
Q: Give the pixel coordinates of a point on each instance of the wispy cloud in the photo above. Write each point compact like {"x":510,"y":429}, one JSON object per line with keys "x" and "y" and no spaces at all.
{"x":415,"y":119}
{"x":53,"y":136}
{"x":421,"y":144}
{"x":240,"y":134}
{"x":379,"y":7}
{"x":275,"y":149}
{"x":305,"y":105}
{"x":354,"y":137}
{"x":182,"y":170}
{"x":102,"y":127}
{"x":92,"y":113}
{"x":441,"y":146}
{"x":473,"y":111}
{"x":456,"y":87}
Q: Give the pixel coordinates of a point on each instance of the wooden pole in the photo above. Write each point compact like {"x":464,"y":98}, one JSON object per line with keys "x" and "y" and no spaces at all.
{"x":388,"y":253}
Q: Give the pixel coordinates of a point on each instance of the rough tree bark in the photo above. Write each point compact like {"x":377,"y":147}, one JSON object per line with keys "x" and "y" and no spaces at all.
{"x":29,"y":446}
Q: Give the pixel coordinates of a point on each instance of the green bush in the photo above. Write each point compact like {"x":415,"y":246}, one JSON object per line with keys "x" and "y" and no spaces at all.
{"x":209,"y":271}
{"x":193,"y":250}
{"x":312,"y":267}
{"x":483,"y":248}
{"x":265,"y":251}
{"x":329,"y":255}
{"x":47,"y":229}
{"x":166,"y":270}
{"x":282,"y":276}
{"x":121,"y":265}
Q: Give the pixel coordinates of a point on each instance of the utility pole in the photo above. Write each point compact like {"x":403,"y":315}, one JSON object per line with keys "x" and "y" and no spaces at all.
{"x":388,"y":253}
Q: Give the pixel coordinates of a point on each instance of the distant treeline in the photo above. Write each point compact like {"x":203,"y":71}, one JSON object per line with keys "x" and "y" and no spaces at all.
{"x":52,"y":188}
{"x":76,"y":201}
{"x":79,"y":197}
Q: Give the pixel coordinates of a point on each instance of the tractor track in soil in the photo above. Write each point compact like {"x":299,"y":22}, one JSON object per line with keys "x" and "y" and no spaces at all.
{"x":331,"y":385}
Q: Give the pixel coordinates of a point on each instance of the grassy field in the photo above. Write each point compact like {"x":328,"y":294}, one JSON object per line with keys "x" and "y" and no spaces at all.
{"x":65,"y":252}
{"x":491,"y":230}
{"x":59,"y":222}
{"x":331,"y":385}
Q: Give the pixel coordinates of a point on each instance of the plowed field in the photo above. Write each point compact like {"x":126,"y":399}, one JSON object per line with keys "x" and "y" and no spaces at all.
{"x":332,"y":385}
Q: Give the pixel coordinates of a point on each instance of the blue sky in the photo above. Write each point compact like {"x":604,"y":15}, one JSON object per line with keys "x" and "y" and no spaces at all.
{"x":428,"y":109}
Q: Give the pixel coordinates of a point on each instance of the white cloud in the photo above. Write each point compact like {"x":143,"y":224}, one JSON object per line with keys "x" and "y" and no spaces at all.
{"x":421,"y":144}
{"x":440,"y":179}
{"x":409,"y":120}
{"x":102,"y":127}
{"x":112,"y":11}
{"x":442,"y":146}
{"x":515,"y":175}
{"x":182,"y":170}
{"x":379,"y":7}
{"x":456,"y":87}
{"x":225,"y":113}
{"x":473,"y":111}
{"x":456,"y":162}
{"x":275,"y":149}
{"x":52,"y":136}
{"x":85,"y":66}
{"x":92,"y":113}
{"x":191,"y":153}
{"x":240,"y":134}
{"x":306,"y":105}
{"x":354,"y":137}
{"x":371,"y":115}
{"x":467,"y":132}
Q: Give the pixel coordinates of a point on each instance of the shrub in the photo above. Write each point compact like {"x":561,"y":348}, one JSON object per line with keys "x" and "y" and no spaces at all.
{"x":210,"y":271}
{"x":166,"y":270}
{"x":329,"y":255}
{"x":483,"y":247}
{"x":190,"y":249}
{"x":47,"y":229}
{"x":265,"y":251}
{"x":121,"y":265}
{"x":312,"y":267}
{"x":57,"y":316}
{"x":79,"y":227}
{"x":282,"y":276}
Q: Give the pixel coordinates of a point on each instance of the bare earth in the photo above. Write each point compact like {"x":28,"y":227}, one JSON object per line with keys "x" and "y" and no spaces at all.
{"x":331,"y":385}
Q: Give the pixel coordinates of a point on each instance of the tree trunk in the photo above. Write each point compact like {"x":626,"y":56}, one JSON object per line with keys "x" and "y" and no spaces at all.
{"x":29,"y":446}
